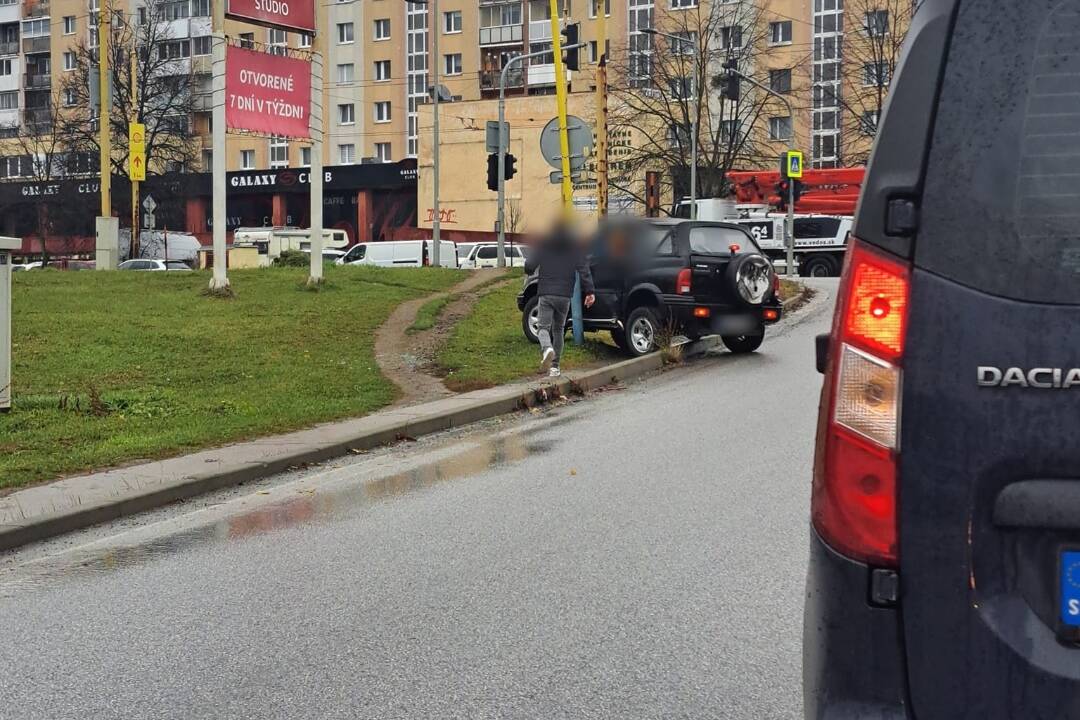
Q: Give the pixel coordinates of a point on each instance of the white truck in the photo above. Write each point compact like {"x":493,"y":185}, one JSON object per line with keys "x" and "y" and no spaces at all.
{"x":272,"y":241}
{"x":820,"y":240}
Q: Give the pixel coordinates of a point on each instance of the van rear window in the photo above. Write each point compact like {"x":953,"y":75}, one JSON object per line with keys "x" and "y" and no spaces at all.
{"x":1001,"y":200}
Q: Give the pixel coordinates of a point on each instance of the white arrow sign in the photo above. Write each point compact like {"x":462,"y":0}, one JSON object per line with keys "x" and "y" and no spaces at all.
{"x":149,"y":204}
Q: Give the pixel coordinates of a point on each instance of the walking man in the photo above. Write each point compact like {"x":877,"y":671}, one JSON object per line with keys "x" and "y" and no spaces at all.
{"x":556,"y":259}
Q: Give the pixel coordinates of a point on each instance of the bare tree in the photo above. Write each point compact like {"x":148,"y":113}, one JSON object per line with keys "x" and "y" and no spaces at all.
{"x":515,"y":216}
{"x":658,"y":86}
{"x":47,"y":160}
{"x":167,"y":91}
{"x":873,"y":40}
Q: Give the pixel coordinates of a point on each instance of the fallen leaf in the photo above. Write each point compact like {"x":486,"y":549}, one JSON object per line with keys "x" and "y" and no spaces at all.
{"x":573,"y":471}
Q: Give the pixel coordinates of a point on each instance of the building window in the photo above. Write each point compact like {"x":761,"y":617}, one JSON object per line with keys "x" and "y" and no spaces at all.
{"x":305,"y":156}
{"x":868,"y":123}
{"x":877,"y":23}
{"x":681,"y":4}
{"x":346,"y":114}
{"x":382,"y":111}
{"x":201,"y":45}
{"x":279,"y":152}
{"x":681,"y":87}
{"x":247,"y":159}
{"x":345,"y":73}
{"x":277,"y":41}
{"x":876,"y":74}
{"x":200,"y":8}
{"x":452,"y":22}
{"x":5,"y":66}
{"x":207,"y":160}
{"x":452,"y":64}
{"x":382,"y":152}
{"x":593,"y":57}
{"x":174,"y":49}
{"x":176,"y":10}
{"x":731,"y":37}
{"x":594,"y":4}
{"x":729,"y":129}
{"x":70,"y":99}
{"x":69,"y":61}
{"x":780,"y":81}
{"x":347,"y":154}
{"x":344,"y":33}
{"x":382,"y":29}
{"x":304,"y":41}
{"x":69,"y":24}
{"x":382,"y":70}
{"x":247,"y":40}
{"x":780,"y":32}
{"x":35,"y":28}
{"x":780,"y":128}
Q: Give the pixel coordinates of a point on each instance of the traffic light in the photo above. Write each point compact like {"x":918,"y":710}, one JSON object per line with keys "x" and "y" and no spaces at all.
{"x":570,"y":36}
{"x":509,"y":167}
{"x":493,"y":171}
{"x":729,"y":80}
{"x":781,"y":189}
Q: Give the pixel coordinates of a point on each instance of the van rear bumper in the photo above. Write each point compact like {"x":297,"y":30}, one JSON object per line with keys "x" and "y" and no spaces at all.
{"x":853,"y":659}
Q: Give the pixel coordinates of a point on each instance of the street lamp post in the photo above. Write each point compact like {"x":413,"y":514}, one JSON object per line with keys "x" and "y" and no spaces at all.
{"x":694,"y":118}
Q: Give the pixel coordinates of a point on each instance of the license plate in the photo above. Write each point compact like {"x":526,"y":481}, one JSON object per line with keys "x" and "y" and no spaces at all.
{"x":1070,"y":590}
{"x":736,"y":325}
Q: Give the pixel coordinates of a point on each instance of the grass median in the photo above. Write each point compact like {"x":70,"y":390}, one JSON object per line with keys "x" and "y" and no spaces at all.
{"x":114,"y":367}
{"x":488,"y":348}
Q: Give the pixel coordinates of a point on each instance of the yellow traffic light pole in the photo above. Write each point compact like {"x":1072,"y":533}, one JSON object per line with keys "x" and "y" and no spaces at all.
{"x":560,"y":99}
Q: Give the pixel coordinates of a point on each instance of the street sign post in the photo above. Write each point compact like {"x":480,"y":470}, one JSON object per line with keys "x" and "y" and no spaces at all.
{"x":136,"y":152}
{"x":791,"y":167}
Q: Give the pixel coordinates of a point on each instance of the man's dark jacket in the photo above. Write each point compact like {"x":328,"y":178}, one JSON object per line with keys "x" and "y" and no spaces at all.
{"x":556,"y":259}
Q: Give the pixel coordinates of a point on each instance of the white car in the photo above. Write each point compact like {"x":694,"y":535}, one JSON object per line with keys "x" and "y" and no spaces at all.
{"x":399,"y":253}
{"x":486,"y":255}
{"x":151,"y":265}
{"x":26,"y":266}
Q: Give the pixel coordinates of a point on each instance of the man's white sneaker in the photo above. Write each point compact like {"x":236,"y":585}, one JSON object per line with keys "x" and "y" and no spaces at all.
{"x":547,"y":358}
{"x":554,"y":372}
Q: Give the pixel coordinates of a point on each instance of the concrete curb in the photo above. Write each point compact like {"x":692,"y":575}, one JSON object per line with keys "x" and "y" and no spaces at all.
{"x":76,"y":503}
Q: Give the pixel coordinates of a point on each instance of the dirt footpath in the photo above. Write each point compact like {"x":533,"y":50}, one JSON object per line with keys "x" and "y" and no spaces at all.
{"x":408,"y":360}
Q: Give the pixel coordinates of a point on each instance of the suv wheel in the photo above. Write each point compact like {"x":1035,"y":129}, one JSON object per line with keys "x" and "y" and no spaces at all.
{"x":740,"y":344}
{"x":530,"y":319}
{"x":640,"y":331}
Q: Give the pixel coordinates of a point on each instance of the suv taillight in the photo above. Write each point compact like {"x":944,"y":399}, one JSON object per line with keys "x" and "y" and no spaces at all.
{"x":682,"y":282}
{"x":854,"y":501}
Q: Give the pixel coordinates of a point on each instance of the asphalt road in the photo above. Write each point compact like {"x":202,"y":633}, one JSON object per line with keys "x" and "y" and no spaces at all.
{"x":639,"y":554}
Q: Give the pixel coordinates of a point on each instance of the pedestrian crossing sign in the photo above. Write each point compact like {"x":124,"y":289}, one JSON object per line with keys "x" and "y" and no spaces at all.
{"x":793,"y":164}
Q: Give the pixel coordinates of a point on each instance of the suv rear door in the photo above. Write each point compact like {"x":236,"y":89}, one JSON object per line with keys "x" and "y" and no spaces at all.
{"x":974,"y":181}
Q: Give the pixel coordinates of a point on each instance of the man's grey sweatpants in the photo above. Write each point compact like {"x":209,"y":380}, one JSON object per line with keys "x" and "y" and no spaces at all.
{"x":553,"y":311}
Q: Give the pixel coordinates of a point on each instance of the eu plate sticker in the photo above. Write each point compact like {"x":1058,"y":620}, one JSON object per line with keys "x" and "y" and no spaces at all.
{"x":1070,"y":588}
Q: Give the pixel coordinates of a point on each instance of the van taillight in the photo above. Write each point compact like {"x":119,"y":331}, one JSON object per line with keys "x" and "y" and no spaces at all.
{"x":682,"y":282}
{"x":854,"y":501}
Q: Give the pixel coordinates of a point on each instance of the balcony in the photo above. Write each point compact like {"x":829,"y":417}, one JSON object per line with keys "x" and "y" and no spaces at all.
{"x":544,"y":74}
{"x":37,"y":116}
{"x":36,"y":44}
{"x":37,"y":82}
{"x":489,"y":79}
{"x":35,"y":9}
{"x":501,"y":35}
{"x":9,"y":48}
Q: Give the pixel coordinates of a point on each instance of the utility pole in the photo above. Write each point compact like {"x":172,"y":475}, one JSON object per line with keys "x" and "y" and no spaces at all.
{"x":315,"y":172}
{"x":433,"y":26}
{"x":220,"y":280}
{"x":696,"y":59}
{"x":135,"y":249}
{"x":601,"y":112}
{"x":104,"y":103}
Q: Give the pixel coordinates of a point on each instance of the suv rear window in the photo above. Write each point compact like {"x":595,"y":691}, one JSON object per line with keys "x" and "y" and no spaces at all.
{"x":717,"y":240}
{"x":1001,"y":201}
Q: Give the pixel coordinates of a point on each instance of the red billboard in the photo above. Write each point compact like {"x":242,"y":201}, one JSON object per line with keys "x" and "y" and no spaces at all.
{"x":266,"y":93}
{"x":292,"y":14}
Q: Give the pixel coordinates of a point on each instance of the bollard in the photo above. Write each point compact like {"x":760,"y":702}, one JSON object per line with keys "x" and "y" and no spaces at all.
{"x":7,"y":244}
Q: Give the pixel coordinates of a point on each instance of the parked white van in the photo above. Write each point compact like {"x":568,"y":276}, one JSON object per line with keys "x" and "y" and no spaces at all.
{"x":399,"y":253}
{"x":271,"y":241}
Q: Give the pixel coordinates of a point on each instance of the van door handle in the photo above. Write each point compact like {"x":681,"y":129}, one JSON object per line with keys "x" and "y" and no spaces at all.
{"x":1043,"y":504}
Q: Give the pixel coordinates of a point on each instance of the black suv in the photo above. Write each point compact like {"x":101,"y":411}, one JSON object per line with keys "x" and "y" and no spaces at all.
{"x":944,"y":577}
{"x":689,"y":278}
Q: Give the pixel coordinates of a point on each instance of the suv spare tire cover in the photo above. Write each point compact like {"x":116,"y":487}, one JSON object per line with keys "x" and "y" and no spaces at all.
{"x":750,"y":277}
